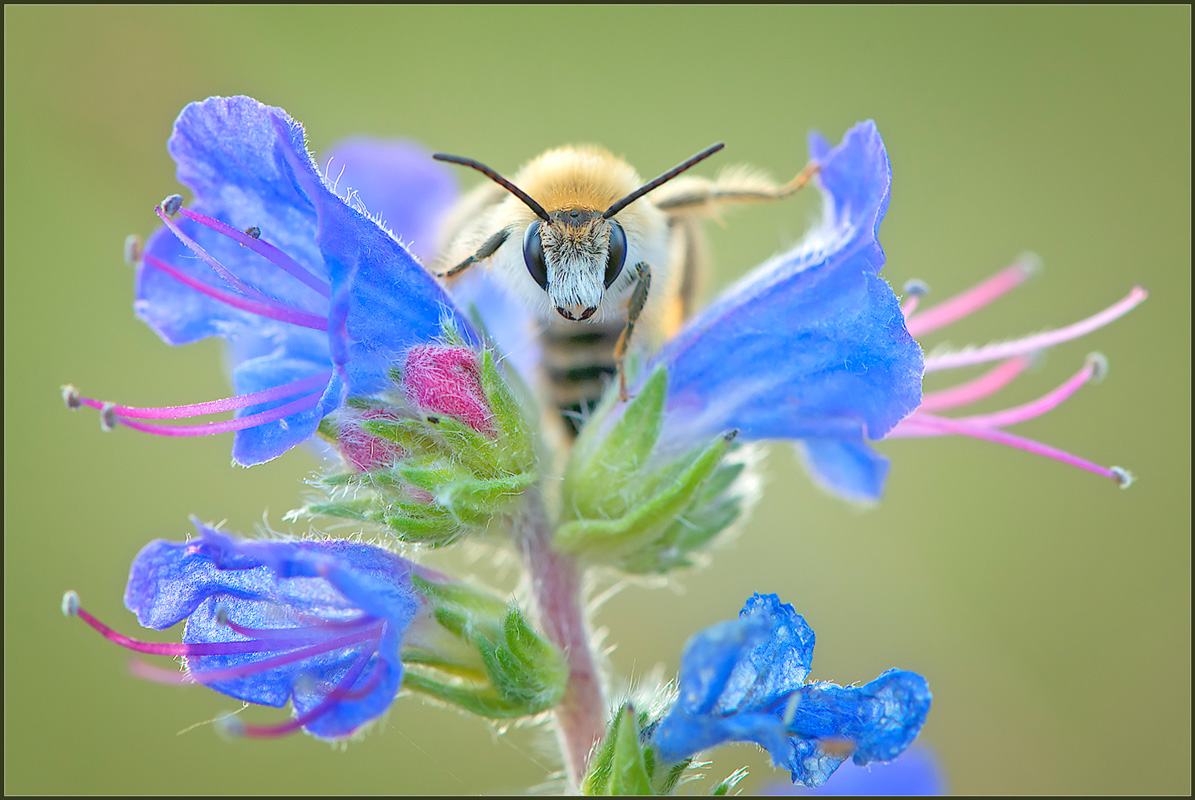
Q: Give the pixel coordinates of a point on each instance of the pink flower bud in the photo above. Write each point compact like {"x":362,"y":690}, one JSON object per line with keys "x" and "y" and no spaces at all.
{"x":440,"y":379}
{"x":362,"y":450}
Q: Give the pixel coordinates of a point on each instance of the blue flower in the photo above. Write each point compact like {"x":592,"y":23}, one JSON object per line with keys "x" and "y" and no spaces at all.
{"x":812,"y":345}
{"x":316,"y":298}
{"x":317,"y":624}
{"x":743,"y":681}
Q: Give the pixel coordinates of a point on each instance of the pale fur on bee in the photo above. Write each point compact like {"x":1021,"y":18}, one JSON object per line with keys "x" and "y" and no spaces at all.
{"x":554,"y":237}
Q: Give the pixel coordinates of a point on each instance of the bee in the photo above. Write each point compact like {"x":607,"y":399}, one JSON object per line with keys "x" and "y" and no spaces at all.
{"x":576,"y":236}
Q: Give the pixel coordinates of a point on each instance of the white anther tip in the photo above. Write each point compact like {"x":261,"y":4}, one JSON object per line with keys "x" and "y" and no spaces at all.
{"x":1122,"y":476}
{"x":915,"y":288}
{"x":134,"y":248}
{"x":171,"y":204}
{"x":107,"y":417}
{"x":1098,"y":362}
{"x":1030,"y":264}
{"x":228,"y":726}
{"x":70,"y":604}
{"x":70,"y":396}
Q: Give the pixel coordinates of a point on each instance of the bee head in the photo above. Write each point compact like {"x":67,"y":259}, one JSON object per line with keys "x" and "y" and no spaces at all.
{"x":575,"y":255}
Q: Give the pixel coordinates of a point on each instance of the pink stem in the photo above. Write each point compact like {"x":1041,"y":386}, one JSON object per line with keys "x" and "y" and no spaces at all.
{"x":1002,"y":350}
{"x":971,"y":300}
{"x":556,"y":590}
{"x":985,"y":385}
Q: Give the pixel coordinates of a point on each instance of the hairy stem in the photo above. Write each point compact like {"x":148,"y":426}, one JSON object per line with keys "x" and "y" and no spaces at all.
{"x":556,"y":590}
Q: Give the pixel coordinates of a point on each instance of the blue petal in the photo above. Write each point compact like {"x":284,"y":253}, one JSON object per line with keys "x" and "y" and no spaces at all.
{"x":399,"y":183}
{"x":730,"y":677}
{"x":811,"y":344}
{"x":849,"y":469}
{"x":383,"y":301}
{"x":238,"y":165}
{"x":879,"y":719}
{"x":265,"y":585}
{"x":261,"y":443}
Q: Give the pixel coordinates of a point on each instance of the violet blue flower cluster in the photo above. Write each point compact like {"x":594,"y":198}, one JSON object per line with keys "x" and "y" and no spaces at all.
{"x":422,"y":396}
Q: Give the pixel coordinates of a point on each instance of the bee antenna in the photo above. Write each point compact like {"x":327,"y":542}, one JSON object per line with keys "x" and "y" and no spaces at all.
{"x":656,"y":183}
{"x":496,"y":178}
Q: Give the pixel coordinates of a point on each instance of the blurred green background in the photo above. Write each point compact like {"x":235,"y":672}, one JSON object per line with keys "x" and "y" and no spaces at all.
{"x":1049,"y":611}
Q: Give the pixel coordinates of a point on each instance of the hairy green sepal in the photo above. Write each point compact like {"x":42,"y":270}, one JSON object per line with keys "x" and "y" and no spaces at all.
{"x":481,"y":655}
{"x":626,"y":506}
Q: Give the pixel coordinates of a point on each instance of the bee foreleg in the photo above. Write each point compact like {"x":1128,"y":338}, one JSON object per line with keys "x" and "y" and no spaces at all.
{"x":634,"y":310}
{"x":487,"y":249}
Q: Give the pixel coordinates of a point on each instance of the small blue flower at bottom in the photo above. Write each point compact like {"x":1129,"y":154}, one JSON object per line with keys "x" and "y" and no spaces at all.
{"x":316,"y":623}
{"x":743,"y":681}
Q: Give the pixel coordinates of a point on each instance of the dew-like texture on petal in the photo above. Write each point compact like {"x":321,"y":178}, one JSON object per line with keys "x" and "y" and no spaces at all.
{"x":846,"y":468}
{"x":238,"y":165}
{"x":915,"y":772}
{"x":293,"y":594}
{"x":744,"y":681}
{"x":880,"y":719}
{"x":812,"y":344}
{"x":398,"y":182}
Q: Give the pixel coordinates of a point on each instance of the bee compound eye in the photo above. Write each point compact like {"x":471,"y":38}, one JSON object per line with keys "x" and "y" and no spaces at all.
{"x":616,"y":253}
{"x":533,"y":255}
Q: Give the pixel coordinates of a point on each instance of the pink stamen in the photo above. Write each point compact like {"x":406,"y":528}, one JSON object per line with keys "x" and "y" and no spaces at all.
{"x":985,"y":385}
{"x":211,"y":406}
{"x":208,"y":259}
{"x":222,"y":648}
{"x":931,"y":425}
{"x":267,"y":664}
{"x":1096,"y":366}
{"x":973,"y":299}
{"x":265,"y":250}
{"x":272,"y":310}
{"x":240,"y":423}
{"x":323,"y":707}
{"x":1003,"y":350}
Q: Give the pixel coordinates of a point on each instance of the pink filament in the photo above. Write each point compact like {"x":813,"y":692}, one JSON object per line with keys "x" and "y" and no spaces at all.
{"x":985,"y":385}
{"x":1044,"y":404}
{"x":278,"y":311}
{"x":971,"y":300}
{"x":207,"y":258}
{"x":1028,"y":344}
{"x":215,"y":406}
{"x":323,"y":707}
{"x":238,"y":424}
{"x":931,"y":425}
{"x":263,"y":249}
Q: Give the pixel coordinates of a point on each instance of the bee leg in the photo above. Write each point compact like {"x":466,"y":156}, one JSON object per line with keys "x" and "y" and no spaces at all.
{"x":634,"y":309}
{"x":487,"y":249}
{"x":701,"y":195}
